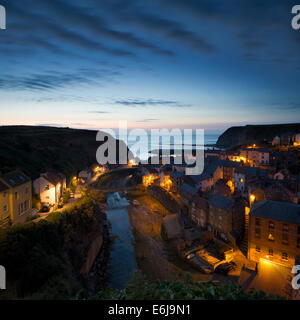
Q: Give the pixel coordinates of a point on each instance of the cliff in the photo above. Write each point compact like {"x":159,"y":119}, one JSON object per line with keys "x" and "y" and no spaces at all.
{"x":254,"y":133}
{"x":36,"y":149}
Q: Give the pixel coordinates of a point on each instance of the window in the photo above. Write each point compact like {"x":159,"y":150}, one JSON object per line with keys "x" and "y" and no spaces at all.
{"x":257,"y":221}
{"x":4,"y":194}
{"x":26,"y":190}
{"x":284,"y":256}
{"x":257,"y":233}
{"x":271,"y":253}
{"x":285,"y":239}
{"x":298,"y":243}
{"x":298,"y":229}
{"x":271,"y":225}
{"x":5,"y":208}
{"x":47,"y":187}
{"x":257,"y":249}
{"x":285,"y":228}
{"x":16,"y":195}
{"x":271,"y":237}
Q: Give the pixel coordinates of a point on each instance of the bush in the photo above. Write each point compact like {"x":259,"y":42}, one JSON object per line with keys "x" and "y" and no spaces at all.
{"x":142,"y":289}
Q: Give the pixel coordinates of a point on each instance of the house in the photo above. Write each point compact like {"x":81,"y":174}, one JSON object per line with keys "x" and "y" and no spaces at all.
{"x":198,"y":211}
{"x":276,"y":141}
{"x":256,"y":156}
{"x":4,"y":204}
{"x":296,"y":139}
{"x":226,"y":218}
{"x":274,"y":232}
{"x":240,"y":179}
{"x":85,"y":175}
{"x":286,"y":138}
{"x":177,"y":180}
{"x":186,"y":193}
{"x":50,"y":187}
{"x":16,"y":196}
{"x":205,"y":181}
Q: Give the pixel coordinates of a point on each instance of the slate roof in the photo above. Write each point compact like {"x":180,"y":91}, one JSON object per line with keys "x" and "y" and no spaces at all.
{"x":220,"y":201}
{"x":189,"y":189}
{"x":177,"y":174}
{"x":15,"y":178}
{"x":3,"y":186}
{"x":282,"y":211}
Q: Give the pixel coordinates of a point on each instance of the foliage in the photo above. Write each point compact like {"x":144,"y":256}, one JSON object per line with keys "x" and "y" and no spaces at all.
{"x":139,"y":288}
{"x":34,"y":254}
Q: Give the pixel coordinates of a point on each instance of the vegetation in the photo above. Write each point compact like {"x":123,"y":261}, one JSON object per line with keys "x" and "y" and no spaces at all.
{"x":142,"y":289}
{"x":43,"y":259}
{"x":39,"y":149}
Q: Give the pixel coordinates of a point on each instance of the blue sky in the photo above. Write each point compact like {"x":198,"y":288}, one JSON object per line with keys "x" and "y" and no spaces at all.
{"x":159,"y":63}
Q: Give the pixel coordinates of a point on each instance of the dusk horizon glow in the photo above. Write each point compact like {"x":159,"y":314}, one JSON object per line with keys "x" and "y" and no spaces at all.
{"x":203,"y":65}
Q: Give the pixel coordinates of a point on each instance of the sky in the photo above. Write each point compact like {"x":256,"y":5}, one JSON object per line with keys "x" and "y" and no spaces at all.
{"x":205,"y":64}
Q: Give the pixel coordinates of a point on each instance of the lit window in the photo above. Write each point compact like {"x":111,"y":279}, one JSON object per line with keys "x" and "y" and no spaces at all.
{"x":271,"y":237}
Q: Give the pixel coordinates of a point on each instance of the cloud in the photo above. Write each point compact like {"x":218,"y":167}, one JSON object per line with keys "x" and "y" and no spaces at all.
{"x":150,"y":102}
{"x":51,"y":80}
{"x":147,"y":120}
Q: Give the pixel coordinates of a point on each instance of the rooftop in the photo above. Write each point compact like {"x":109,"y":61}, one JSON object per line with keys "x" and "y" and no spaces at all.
{"x":282,"y":211}
{"x":220,"y":201}
{"x":15,"y":178}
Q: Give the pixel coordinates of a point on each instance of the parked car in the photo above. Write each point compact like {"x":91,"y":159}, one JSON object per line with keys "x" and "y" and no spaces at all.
{"x":45,"y":209}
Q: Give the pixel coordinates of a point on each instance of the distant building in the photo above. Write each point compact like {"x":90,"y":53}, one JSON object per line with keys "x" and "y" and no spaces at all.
{"x":256,"y":156}
{"x":296,"y":140}
{"x":286,"y":138}
{"x":50,"y":187}
{"x":16,"y":196}
{"x":276,"y":141}
{"x":274,"y":232}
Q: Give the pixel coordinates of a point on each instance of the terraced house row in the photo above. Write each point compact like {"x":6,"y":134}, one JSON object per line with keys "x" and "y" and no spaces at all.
{"x":15,"y":197}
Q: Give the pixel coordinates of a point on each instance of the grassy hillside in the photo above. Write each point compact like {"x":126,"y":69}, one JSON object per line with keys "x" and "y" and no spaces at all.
{"x":36,"y":149}
{"x":254,"y":133}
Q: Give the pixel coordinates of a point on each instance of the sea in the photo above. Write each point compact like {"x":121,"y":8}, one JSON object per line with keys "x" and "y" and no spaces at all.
{"x":190,"y":143}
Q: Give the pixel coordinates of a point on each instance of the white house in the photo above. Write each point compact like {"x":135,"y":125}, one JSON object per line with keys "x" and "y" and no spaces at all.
{"x":50,"y":187}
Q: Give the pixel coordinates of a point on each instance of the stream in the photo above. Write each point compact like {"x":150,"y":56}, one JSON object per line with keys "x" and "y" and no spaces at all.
{"x":122,"y":263}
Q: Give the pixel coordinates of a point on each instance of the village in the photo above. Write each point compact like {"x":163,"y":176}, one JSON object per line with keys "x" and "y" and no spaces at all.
{"x":240,"y":217}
